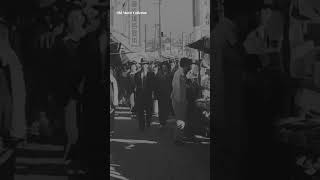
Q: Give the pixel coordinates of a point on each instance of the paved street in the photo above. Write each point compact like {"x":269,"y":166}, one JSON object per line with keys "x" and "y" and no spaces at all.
{"x":135,"y":155}
{"x":151,"y":155}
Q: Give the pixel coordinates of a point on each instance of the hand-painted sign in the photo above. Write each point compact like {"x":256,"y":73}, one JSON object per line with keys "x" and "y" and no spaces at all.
{"x":134,"y":23}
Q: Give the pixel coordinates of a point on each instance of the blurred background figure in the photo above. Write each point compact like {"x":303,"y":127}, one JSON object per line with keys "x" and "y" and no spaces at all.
{"x":163,"y":90}
{"x":155,"y":70}
{"x":113,"y":99}
{"x":179,"y":98}
{"x":133,"y":71}
{"x":18,"y":92}
{"x":5,"y":103}
{"x":124,"y":86}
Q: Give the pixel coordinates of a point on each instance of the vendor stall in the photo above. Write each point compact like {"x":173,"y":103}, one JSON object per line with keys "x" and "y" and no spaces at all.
{"x":202,"y":45}
{"x":298,"y":130}
{"x":202,"y":103}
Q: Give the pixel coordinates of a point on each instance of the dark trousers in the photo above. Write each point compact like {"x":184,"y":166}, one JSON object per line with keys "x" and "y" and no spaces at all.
{"x":143,"y":107}
{"x":171,"y":108}
{"x":194,"y":122}
{"x":91,"y":149}
{"x":164,"y":109}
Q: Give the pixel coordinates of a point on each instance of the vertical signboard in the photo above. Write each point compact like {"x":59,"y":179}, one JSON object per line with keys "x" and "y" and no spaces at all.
{"x":134,"y":23}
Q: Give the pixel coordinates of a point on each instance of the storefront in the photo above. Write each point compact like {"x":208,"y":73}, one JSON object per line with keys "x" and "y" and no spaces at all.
{"x":278,"y":110}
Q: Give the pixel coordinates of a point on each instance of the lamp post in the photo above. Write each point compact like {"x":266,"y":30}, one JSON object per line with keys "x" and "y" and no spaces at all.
{"x":160,"y":29}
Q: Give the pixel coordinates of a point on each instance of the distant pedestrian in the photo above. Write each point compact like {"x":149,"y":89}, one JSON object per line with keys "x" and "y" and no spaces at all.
{"x":113,"y":99}
{"x":155,"y":70}
{"x":164,"y":90}
{"x":133,"y":71}
{"x":173,"y":69}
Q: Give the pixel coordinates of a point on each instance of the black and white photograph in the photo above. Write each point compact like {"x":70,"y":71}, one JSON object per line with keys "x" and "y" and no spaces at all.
{"x":257,"y":59}
{"x":160,"y":89}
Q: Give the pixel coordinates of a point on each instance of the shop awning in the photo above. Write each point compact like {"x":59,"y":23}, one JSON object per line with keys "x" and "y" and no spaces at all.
{"x":114,"y":47}
{"x":202,"y":44}
{"x":118,"y":37}
{"x":126,"y":52}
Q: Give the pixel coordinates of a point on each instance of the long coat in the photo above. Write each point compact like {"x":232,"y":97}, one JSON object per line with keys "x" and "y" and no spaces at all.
{"x":144,"y":92}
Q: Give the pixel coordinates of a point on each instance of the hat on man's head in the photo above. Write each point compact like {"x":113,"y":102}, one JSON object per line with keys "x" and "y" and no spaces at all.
{"x":132,"y":63}
{"x":143,"y":61}
{"x":157,"y":62}
{"x":185,"y":62}
{"x":164,"y":63}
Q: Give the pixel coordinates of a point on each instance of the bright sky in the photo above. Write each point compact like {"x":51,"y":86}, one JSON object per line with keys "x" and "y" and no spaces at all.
{"x":176,"y":15}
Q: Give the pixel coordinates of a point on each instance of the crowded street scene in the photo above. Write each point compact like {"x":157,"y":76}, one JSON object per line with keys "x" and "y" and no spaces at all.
{"x":64,"y":62}
{"x":160,"y":89}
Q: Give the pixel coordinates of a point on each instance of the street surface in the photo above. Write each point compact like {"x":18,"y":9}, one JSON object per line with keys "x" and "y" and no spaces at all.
{"x":134,"y":155}
{"x":151,"y":155}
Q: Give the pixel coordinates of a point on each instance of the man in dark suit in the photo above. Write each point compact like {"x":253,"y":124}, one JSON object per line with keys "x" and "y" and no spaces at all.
{"x":144,"y":86}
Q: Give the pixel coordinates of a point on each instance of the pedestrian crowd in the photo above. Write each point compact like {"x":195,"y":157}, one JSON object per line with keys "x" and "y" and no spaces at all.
{"x":163,"y":89}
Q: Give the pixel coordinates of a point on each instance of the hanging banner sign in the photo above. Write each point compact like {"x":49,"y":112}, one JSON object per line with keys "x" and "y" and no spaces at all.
{"x":134,"y":23}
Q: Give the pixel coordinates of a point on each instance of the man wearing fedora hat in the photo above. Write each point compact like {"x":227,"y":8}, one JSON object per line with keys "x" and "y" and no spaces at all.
{"x":144,"y":86}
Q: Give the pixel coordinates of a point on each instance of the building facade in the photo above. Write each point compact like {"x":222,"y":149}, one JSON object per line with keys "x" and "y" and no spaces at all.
{"x":201,"y":18}
{"x":201,"y":22}
{"x":126,"y":28}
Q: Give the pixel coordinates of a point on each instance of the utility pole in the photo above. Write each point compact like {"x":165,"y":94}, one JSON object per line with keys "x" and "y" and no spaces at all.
{"x":160,"y":29}
{"x":155,"y":35}
{"x":145,"y":37}
{"x":170,"y":43}
{"x":182,"y":44}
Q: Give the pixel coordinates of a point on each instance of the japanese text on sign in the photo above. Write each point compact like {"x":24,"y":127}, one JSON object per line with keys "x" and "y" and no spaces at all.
{"x":134,"y":38}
